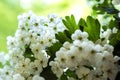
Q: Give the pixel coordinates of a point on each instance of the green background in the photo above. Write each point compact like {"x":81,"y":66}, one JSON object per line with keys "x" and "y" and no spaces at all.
{"x":10,"y":9}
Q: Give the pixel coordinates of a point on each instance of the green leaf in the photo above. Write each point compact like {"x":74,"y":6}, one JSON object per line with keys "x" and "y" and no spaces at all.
{"x":106,"y":6}
{"x":115,"y":39}
{"x":104,"y":28}
{"x":28,"y":53}
{"x":71,"y":74}
{"x":74,"y":24}
{"x":118,"y":35}
{"x":112,"y":24}
{"x":110,"y":10}
{"x":68,"y":26}
{"x":53,"y":49}
{"x":63,"y":77}
{"x":67,"y":34}
{"x":82,"y":24}
{"x":1,"y":65}
{"x":70,"y":23}
{"x":61,"y":36}
{"x":116,"y":16}
{"x":48,"y":74}
{"x":93,"y":28}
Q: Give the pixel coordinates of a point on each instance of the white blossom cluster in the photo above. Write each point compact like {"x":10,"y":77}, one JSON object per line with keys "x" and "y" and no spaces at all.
{"x":105,"y":35}
{"x":88,"y":60}
{"x":26,"y":56}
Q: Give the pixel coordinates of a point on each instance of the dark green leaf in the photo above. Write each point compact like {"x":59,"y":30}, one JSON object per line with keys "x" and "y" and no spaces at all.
{"x":82,"y":24}
{"x":115,"y":39}
{"x":110,"y":10}
{"x":54,"y":48}
{"x":48,"y":74}
{"x":117,"y":17}
{"x":67,"y":34}
{"x":104,"y":28}
{"x":93,"y":28}
{"x":28,"y":53}
{"x":63,"y":77}
{"x":113,"y":24}
{"x":118,"y":35}
{"x":61,"y":36}
{"x":71,"y":73}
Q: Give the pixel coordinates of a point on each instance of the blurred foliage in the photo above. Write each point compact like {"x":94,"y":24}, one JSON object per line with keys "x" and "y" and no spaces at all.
{"x":10,"y":9}
{"x":8,"y":21}
{"x":108,"y":10}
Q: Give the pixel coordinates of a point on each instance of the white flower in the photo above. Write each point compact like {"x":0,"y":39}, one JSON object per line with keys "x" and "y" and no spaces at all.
{"x":15,"y":54}
{"x":35,"y":68}
{"x":37,"y":77}
{"x":10,"y":42}
{"x":42,"y":58}
{"x":98,"y":48}
{"x":1,"y":78}
{"x":116,"y":58}
{"x":36,"y":48}
{"x":2,"y":58}
{"x":67,"y":45}
{"x":119,"y":14}
{"x":116,"y":2}
{"x":61,"y":58}
{"x":60,"y":27}
{"x":71,"y":78}
{"x":79,"y":35}
{"x":6,"y":72}
{"x":77,"y":43}
{"x":106,"y":34}
{"x":57,"y":70}
{"x":23,"y":67}
{"x":97,"y":75}
{"x":82,"y":72}
{"x":108,"y":48}
{"x":73,"y":57}
{"x":87,"y":49}
{"x":114,"y":30}
{"x":22,"y":37}
{"x":18,"y":77}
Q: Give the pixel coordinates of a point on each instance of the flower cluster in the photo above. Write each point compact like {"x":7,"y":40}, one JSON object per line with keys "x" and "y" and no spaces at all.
{"x":88,"y":60}
{"x":52,"y":48}
{"x":26,"y":50}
